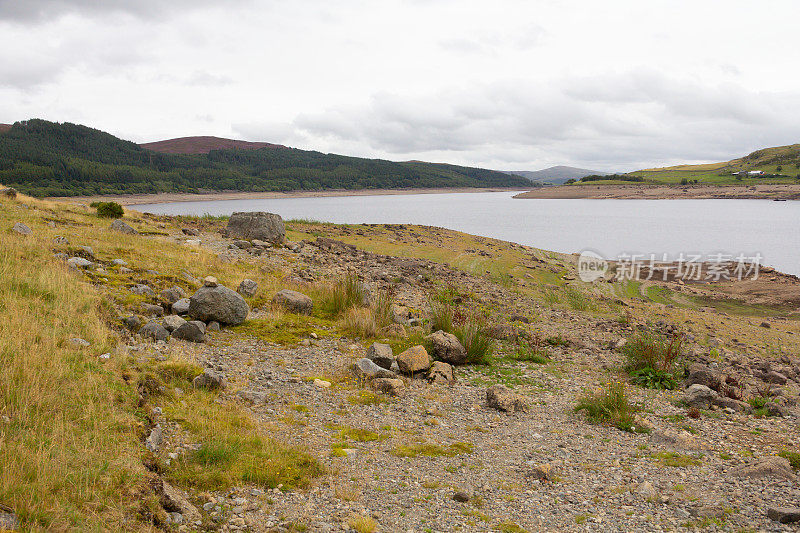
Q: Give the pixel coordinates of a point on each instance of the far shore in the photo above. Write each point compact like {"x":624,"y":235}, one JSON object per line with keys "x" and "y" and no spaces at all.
{"x":666,"y":192}
{"x":170,"y":197}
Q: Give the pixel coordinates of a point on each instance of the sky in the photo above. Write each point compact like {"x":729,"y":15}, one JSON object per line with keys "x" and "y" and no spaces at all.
{"x":513,"y":85}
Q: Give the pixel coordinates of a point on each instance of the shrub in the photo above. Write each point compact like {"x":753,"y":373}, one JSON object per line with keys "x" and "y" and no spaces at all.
{"x":792,"y":457}
{"x":476,"y":342}
{"x":651,"y":360}
{"x":610,"y":405}
{"x":109,"y":210}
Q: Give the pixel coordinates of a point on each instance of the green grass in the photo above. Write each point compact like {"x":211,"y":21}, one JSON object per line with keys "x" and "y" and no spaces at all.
{"x":610,"y":405}
{"x":285,"y":329}
{"x":652,"y":360}
{"x":793,"y":457}
{"x":432,"y":450}
{"x":676,"y":460}
{"x":476,"y":342}
{"x":531,"y":354}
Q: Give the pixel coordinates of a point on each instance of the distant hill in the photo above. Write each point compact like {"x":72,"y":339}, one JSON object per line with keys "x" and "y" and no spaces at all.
{"x":4,"y":127}
{"x":203,"y":145}
{"x":556,"y":175}
{"x":45,"y":158}
{"x":778,"y":164}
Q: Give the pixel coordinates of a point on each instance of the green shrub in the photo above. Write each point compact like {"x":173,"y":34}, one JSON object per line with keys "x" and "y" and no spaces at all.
{"x":476,"y":342}
{"x":652,"y":360}
{"x":345,"y":294}
{"x":442,"y":314}
{"x":109,"y":209}
{"x":793,"y":457}
{"x":610,"y":405}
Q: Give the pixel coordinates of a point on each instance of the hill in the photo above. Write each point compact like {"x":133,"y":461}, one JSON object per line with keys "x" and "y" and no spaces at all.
{"x":43,"y":158}
{"x":203,"y":145}
{"x":557,"y":175}
{"x":4,"y":127}
{"x":778,"y":164}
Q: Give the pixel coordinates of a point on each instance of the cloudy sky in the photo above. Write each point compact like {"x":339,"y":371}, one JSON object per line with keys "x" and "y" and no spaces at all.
{"x":613,"y":85}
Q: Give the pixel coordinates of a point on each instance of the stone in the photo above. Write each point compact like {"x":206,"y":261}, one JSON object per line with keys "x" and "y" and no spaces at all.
{"x":394,"y":330}
{"x":461,"y":496}
{"x":122,"y":227}
{"x":767,"y":467}
{"x":212,"y":326}
{"x":266,"y":227}
{"x":390,"y":386}
{"x":440,"y":373}
{"x":674,"y":438}
{"x":775,"y":377}
{"x":153,"y":441}
{"x":171,"y":295}
{"x":702,"y":375}
{"x":247,"y":288}
{"x":700,"y":396}
{"x":254,"y":397}
{"x":293,"y":301}
{"x":172,"y":322}
{"x":143,"y":290}
{"x":381,"y":355}
{"x":210,"y":281}
{"x":79,"y":262}
{"x":400,"y":314}
{"x":88,"y":251}
{"x":152,"y":309}
{"x":119,"y":262}
{"x":322,"y":384}
{"x":181,"y":307}
{"x":8,"y":192}
{"x":447,"y":348}
{"x":77,"y":342}
{"x":8,"y":521}
{"x":192,"y":331}
{"x":413,"y":360}
{"x":192,"y":232}
{"x":545,"y":471}
{"x":766,"y":325}
{"x":21,"y":229}
{"x":155,"y":331}
{"x":243,"y":245}
{"x":210,"y":380}
{"x":501,"y":398}
{"x":174,"y":501}
{"x":784,"y":515}
{"x":132,"y":322}
{"x":647,"y":491}
{"x":218,"y":303}
{"x":366,"y":369}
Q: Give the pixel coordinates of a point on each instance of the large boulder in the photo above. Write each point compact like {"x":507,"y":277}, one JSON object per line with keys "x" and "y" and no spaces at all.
{"x":381,"y":355}
{"x":154,"y":330}
{"x":413,"y":360}
{"x":440,"y":373}
{"x":501,"y":398}
{"x":390,"y":386}
{"x":700,"y":396}
{"x":210,"y":380}
{"x":181,"y":307}
{"x":293,"y":301}
{"x":257,"y":225}
{"x":767,"y":467}
{"x":21,"y":229}
{"x":247,"y":288}
{"x":122,"y":227}
{"x":193,"y":331}
{"x":447,"y":348}
{"x":366,"y":369}
{"x":218,"y":303}
{"x":171,"y":295}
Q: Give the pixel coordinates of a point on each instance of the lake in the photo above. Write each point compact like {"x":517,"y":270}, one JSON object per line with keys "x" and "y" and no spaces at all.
{"x":608,"y":227}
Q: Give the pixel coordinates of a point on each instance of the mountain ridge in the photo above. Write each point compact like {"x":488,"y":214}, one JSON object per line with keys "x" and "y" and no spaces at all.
{"x":557,"y":174}
{"x":203,"y":144}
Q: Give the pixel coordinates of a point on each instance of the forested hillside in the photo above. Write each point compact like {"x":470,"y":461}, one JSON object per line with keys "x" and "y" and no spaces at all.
{"x":44,"y":158}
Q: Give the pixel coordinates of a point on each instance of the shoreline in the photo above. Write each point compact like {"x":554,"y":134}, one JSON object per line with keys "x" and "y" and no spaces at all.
{"x":666,"y":192}
{"x":170,"y":197}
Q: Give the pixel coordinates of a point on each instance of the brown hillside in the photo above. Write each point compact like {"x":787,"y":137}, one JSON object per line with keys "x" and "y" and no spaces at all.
{"x":203,"y":145}
{"x":4,"y":127}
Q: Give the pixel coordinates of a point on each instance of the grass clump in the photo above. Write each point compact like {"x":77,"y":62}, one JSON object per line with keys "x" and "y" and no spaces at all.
{"x":473,"y":337}
{"x":531,"y":353}
{"x":652,"y":360}
{"x":792,"y":457}
{"x":610,"y":405}
{"x":108,"y":209}
{"x":432,"y":450}
{"x":365,"y":397}
{"x":363,"y":524}
{"x":675,"y":459}
{"x":510,"y":527}
{"x":345,"y":293}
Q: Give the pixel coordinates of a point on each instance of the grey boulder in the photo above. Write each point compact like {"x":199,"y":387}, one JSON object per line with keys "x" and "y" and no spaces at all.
{"x":210,"y":380}
{"x":293,"y":301}
{"x":446,"y":347}
{"x":192,"y":331}
{"x":247,"y":288}
{"x":218,"y":303}
{"x":154,"y":330}
{"x":381,"y":355}
{"x":21,"y":229}
{"x":366,"y":369}
{"x":122,"y":227}
{"x":257,"y":225}
{"x":181,"y":307}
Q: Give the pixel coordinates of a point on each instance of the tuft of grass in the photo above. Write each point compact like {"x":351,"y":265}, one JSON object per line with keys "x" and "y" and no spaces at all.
{"x":476,"y":341}
{"x":345,"y":293}
{"x":578,"y":300}
{"x":531,"y":353}
{"x":675,"y":459}
{"x":610,"y":405}
{"x":510,"y":527}
{"x":363,"y":524}
{"x":432,"y":450}
{"x":652,"y":360}
{"x":365,"y":397}
{"x":793,"y":458}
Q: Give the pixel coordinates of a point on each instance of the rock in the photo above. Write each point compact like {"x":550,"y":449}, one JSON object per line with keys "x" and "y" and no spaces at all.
{"x":154,"y":330}
{"x":79,"y":262}
{"x":700,"y":396}
{"x":675,"y":439}
{"x":381,"y":355}
{"x":193,"y":331}
{"x":784,"y":515}
{"x":181,"y":307}
{"x":122,"y":227}
{"x":143,"y":290}
{"x":247,"y":288}
{"x":413,"y":360}
{"x":400,"y":314}
{"x":257,"y":225}
{"x":152,"y":309}
{"x":243,"y":245}
{"x":218,"y":303}
{"x":8,"y":192}
{"x":322,"y":384}
{"x":767,"y":467}
{"x":210,"y":281}
{"x":171,"y":295}
{"x":132,"y":322}
{"x":775,"y":377}
{"x":394,"y":330}
{"x":766,"y":325}
{"x":501,"y":398}
{"x":21,"y":229}
{"x":212,"y":326}
{"x":119,"y":262}
{"x":647,"y":491}
{"x":210,"y":380}
{"x":447,"y":348}
{"x":172,"y":322}
{"x":461,"y":496}
{"x":254,"y":397}
{"x":545,"y":471}
{"x":190,"y":232}
{"x":88,"y":251}
{"x":390,"y":386}
{"x":77,"y":342}
{"x":702,"y":375}
{"x":366,"y":369}
{"x":293,"y":301}
{"x":440,"y":373}
{"x":8,"y":521}
{"x":173,"y":500}
{"x":154,"y":439}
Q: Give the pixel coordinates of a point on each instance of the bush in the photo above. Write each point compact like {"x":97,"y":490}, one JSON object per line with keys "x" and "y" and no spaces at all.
{"x":476,"y":342}
{"x":109,"y":210}
{"x":344,"y":294}
{"x":610,"y":405}
{"x":652,"y":360}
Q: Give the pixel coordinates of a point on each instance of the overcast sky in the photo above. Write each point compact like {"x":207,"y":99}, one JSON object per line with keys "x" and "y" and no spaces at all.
{"x":612,"y":85}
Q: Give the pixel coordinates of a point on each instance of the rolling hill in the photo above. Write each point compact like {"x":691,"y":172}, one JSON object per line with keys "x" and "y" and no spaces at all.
{"x":45,"y":158}
{"x":4,"y":127}
{"x":556,"y":175}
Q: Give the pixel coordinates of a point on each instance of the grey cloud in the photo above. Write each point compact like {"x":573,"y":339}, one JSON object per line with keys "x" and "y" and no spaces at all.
{"x":26,"y":11}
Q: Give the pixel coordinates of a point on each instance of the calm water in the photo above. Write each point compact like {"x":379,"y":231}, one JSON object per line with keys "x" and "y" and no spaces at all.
{"x":609,"y":227}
